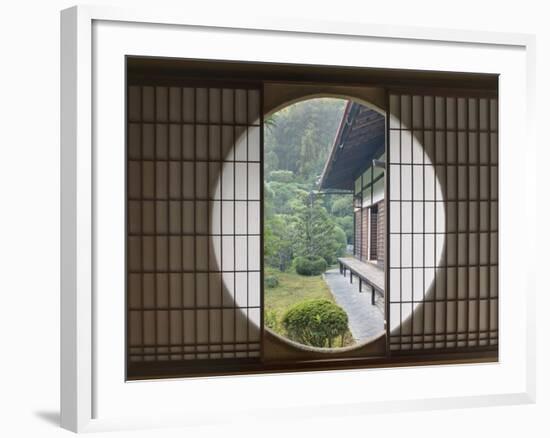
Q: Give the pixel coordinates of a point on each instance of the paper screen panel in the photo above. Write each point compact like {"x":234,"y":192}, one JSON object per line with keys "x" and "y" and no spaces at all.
{"x":443,"y":232}
{"x":193,"y":223}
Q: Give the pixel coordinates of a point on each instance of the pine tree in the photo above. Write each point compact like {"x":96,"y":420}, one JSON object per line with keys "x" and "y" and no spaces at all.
{"x":313,"y":229}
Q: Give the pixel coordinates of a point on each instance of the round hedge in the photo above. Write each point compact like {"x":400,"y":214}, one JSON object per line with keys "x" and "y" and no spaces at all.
{"x":310,"y":265}
{"x":315,"y":322}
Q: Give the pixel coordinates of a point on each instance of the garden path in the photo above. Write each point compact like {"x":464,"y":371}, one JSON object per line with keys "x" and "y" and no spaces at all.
{"x":365,"y":320}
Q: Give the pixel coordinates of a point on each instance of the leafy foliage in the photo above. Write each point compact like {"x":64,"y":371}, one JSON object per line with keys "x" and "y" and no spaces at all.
{"x":310,"y":265}
{"x":346,"y":225}
{"x":315,"y":234}
{"x":271,"y":321}
{"x":293,"y":289}
{"x":281,"y":176}
{"x":315,"y":322}
{"x":299,"y":222}
{"x":278,"y":244}
{"x":341,"y":241}
{"x":342,"y":207}
{"x":301,"y":134}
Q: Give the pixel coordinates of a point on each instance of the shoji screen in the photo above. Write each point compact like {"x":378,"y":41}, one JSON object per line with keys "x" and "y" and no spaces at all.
{"x":193,"y":224}
{"x":443,"y":222}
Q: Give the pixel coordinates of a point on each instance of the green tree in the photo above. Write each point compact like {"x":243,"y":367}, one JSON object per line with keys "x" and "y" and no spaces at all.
{"x":346,"y":224}
{"x":278,"y":244}
{"x":315,"y":233}
{"x":271,"y":161}
{"x":301,"y":136}
{"x":283,"y":195}
{"x":298,"y":139}
{"x":340,"y":242}
{"x":342,"y":206}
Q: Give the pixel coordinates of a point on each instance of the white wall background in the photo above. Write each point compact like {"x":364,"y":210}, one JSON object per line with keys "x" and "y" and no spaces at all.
{"x":29,"y":215}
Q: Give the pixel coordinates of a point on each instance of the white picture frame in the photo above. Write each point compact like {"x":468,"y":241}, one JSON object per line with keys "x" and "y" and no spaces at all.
{"x":94,"y":394}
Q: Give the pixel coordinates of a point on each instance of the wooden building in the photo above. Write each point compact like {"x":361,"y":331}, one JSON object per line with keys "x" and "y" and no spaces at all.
{"x":360,"y":140}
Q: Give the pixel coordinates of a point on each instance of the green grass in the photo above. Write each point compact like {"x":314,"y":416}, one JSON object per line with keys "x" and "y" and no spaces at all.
{"x":294,"y":289}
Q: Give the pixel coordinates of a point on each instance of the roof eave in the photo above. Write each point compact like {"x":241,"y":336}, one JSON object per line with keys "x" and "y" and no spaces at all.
{"x":335,"y":145}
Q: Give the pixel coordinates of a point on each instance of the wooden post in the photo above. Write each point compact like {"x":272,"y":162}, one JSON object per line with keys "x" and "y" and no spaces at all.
{"x":373,"y":296}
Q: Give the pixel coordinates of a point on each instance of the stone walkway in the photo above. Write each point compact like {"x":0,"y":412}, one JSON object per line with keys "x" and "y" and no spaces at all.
{"x":365,"y":320}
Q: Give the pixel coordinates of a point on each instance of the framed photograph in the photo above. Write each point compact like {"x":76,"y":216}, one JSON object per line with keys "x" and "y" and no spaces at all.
{"x":261,"y":207}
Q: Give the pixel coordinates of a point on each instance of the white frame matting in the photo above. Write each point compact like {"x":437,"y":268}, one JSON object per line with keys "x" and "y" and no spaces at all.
{"x":94,"y":393}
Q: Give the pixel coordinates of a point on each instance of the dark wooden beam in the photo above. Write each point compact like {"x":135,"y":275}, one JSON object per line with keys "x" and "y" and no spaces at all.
{"x":144,"y":68}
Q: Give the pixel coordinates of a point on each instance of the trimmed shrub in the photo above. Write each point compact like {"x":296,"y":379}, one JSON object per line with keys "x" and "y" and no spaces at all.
{"x":318,"y":265}
{"x":315,"y":322}
{"x":271,"y":281}
{"x":310,"y":265}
